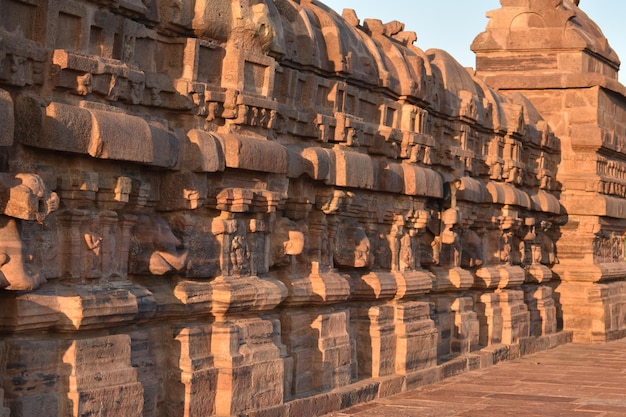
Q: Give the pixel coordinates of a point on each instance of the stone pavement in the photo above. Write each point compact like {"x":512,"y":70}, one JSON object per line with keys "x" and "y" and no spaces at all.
{"x":571,"y":380}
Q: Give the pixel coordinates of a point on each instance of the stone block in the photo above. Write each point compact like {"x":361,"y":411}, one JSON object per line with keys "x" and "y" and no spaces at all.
{"x":65,"y":128}
{"x":195,"y":190}
{"x":416,"y":338}
{"x":251,"y":369}
{"x":373,"y":286}
{"x":390,"y":178}
{"x":45,"y":405}
{"x":317,"y":163}
{"x":315,"y":405}
{"x":203,"y":152}
{"x":454,"y":367}
{"x":391,"y":385}
{"x":353,"y":169}
{"x":375,"y":340}
{"x":33,"y":376}
{"x":465,"y":337}
{"x":102,"y":378}
{"x":413,"y":283}
{"x":490,"y":319}
{"x":120,"y":137}
{"x":358,"y":393}
{"x":254,"y":154}
{"x":423,"y":377}
{"x":192,"y":377}
{"x":419,"y":181}
{"x":166,"y":146}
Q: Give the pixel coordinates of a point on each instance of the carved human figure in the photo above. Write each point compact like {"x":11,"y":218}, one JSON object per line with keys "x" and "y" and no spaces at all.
{"x":548,"y":250}
{"x":155,"y":96}
{"x":528,"y":236}
{"x":239,"y":255}
{"x":506,"y":248}
{"x":271,"y":121}
{"x":254,"y":116}
{"x":326,"y":250}
{"x":129,"y":49}
{"x":93,"y":242}
{"x":112,"y":261}
{"x":212,"y":111}
{"x":176,"y":8}
{"x":48,"y":250}
{"x":383,"y":252}
{"x":136,"y":91}
{"x":407,"y":258}
{"x":200,"y":96}
{"x":264,"y":118}
{"x":113,"y":93}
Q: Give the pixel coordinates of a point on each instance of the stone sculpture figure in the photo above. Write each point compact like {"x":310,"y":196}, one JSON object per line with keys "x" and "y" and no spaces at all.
{"x":154,"y":248}
{"x":548,"y":250}
{"x":352,"y":246}
{"x":26,"y":197}
{"x":506,"y":248}
{"x":239,"y":255}
{"x":23,"y":197}
{"x":84,"y":84}
{"x":471,"y":244}
{"x":407,"y":258}
{"x":17,"y":270}
{"x":450,"y":237}
{"x":382,"y":252}
{"x":287,"y":241}
{"x":93,"y":241}
{"x":16,"y":74}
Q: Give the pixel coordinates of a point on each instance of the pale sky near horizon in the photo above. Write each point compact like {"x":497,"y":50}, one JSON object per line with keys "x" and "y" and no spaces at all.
{"x":452,"y":25}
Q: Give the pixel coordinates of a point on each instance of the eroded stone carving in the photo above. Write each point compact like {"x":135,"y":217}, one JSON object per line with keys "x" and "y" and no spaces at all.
{"x":262,"y":196}
{"x":154,"y":248}
{"x":287,"y":241}
{"x":352,"y":246}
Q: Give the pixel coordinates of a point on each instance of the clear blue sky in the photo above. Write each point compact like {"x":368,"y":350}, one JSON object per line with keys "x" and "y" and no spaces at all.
{"x":453,"y":24}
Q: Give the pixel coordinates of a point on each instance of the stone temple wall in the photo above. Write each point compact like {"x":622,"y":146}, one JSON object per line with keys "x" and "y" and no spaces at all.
{"x":263,"y":208}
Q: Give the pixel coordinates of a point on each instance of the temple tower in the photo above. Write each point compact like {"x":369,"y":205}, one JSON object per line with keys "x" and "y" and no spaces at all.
{"x":554,"y":54}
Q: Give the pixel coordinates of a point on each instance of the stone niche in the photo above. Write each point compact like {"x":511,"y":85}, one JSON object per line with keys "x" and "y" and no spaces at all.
{"x":264,"y":208}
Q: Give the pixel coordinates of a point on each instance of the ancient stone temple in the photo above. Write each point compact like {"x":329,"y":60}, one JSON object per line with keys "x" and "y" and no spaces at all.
{"x":263,"y":208}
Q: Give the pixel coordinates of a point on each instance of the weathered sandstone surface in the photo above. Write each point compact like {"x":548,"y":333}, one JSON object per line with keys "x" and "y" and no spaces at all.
{"x":263,"y":208}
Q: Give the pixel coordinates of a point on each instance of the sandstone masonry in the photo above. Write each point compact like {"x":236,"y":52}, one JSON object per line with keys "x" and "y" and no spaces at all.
{"x":262,"y":208}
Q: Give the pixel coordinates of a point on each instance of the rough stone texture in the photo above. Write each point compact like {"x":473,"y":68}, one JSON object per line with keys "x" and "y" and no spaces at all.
{"x":569,"y":72}
{"x":569,"y":380}
{"x":267,"y":209}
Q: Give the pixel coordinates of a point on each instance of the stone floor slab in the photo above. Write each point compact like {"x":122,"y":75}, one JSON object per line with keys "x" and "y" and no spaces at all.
{"x":572,"y":380}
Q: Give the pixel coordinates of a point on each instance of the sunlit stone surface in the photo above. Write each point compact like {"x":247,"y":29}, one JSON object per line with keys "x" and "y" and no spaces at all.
{"x":264,"y":208}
